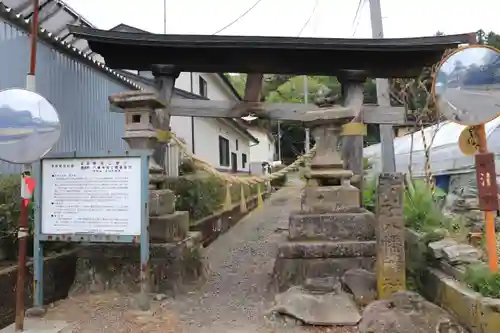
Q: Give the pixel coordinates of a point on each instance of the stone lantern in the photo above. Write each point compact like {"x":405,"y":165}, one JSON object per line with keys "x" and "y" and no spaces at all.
{"x":141,"y":121}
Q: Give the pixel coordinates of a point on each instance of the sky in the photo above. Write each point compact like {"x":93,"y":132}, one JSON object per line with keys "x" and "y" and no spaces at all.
{"x":331,"y":18}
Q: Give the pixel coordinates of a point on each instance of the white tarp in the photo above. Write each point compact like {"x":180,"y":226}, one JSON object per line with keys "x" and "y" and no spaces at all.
{"x":445,"y":155}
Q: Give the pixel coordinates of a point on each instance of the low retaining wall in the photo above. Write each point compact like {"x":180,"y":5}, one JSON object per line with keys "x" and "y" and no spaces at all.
{"x":211,"y":227}
{"x":440,"y":283}
{"x":58,"y":276}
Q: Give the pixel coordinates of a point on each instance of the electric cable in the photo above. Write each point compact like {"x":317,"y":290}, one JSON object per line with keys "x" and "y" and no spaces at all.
{"x":356,"y":20}
{"x":238,"y":18}
{"x":309,"y":18}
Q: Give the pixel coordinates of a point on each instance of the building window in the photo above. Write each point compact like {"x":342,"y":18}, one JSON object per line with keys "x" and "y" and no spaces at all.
{"x":236,"y":144}
{"x":243,"y":160}
{"x":223,"y":151}
{"x":202,"y":86}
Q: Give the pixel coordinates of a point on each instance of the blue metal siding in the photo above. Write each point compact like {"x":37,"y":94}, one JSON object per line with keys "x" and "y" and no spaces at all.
{"x":79,"y":92}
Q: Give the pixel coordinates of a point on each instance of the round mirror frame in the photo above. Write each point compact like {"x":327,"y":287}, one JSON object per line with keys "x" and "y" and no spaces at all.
{"x":443,"y":61}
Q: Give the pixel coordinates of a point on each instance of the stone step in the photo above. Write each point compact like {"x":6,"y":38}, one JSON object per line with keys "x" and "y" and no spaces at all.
{"x":293,"y":271}
{"x":169,"y":228}
{"x":326,"y":249}
{"x":161,"y":202}
{"x":356,"y":225}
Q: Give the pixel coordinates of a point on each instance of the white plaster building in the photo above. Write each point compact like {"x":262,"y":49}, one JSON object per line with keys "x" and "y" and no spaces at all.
{"x":225,"y":144}
{"x":265,"y":150}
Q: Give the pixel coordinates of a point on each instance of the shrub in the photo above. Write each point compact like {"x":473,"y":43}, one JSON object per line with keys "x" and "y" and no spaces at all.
{"x":187,"y":167}
{"x":202,"y":195}
{"x":481,"y":279}
{"x":420,"y":209}
{"x":370,"y":194}
{"x":281,"y":181}
{"x":10,"y":199}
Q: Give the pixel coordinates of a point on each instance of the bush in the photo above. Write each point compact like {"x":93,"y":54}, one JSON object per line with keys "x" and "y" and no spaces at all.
{"x":203,"y":195}
{"x":421,"y":211}
{"x":370,"y":194}
{"x":187,"y":167}
{"x":281,"y":181}
{"x":10,"y":199}
{"x":481,"y":279}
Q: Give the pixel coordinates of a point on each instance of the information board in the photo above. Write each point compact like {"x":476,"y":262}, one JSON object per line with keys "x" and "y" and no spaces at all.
{"x":99,"y":195}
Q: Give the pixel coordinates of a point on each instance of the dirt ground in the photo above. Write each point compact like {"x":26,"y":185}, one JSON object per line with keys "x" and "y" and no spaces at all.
{"x":235,"y":299}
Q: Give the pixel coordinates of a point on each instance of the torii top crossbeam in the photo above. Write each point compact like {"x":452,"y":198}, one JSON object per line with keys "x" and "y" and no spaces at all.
{"x":389,"y":57}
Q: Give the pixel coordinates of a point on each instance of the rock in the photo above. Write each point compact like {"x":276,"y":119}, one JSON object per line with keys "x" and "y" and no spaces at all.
{"x":461,"y":253}
{"x":479,"y":226}
{"x":362,"y":284}
{"x":37,"y":312}
{"x":323,"y":285}
{"x":314,"y":309}
{"x":407,"y":312}
{"x":437,"y":247}
{"x":160,"y":297}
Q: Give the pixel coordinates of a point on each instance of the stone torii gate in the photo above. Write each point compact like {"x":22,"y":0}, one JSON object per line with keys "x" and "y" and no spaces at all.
{"x":330,"y":215}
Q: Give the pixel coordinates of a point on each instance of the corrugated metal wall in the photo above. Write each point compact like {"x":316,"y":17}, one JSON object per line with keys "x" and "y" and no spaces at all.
{"x":79,"y":92}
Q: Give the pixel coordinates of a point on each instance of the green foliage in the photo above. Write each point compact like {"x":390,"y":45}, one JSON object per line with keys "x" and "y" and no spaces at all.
{"x":420,"y":209}
{"x":187,"y":167}
{"x":203,"y":195}
{"x":10,"y":200}
{"x":370,"y":194}
{"x":481,"y":279}
{"x":281,"y":181}
{"x":490,"y":38}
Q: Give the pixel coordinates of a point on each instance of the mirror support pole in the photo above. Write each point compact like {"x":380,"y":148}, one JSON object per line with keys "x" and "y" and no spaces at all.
{"x":165,"y":76}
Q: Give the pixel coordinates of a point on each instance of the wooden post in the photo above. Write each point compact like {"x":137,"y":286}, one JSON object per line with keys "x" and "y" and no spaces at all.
{"x":165,"y":76}
{"x":352,"y":145}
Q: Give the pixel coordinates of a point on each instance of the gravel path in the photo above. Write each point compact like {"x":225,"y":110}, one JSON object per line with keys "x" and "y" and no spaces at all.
{"x":236,"y":297}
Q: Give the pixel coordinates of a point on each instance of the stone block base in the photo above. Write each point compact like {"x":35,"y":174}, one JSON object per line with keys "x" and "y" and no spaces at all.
{"x":172,"y":266}
{"x":169,"y":228}
{"x":357,"y":225}
{"x":324,"y":249}
{"x":289,"y":272}
{"x":330,"y":198}
{"x":161,"y":202}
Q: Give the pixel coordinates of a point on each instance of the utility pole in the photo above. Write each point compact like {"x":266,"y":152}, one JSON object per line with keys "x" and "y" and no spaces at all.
{"x":383,"y":94}
{"x":165,"y":17}
{"x":307,"y":142}
{"x":279,"y":141}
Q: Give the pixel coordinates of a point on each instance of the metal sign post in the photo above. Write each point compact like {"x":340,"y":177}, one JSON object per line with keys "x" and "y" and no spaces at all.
{"x":92,"y":198}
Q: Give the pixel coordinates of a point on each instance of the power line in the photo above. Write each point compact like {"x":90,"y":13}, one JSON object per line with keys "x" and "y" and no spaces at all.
{"x":309,"y":18}
{"x":238,"y":18}
{"x":356,"y":20}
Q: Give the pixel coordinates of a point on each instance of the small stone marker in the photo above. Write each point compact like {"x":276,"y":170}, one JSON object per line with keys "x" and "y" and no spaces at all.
{"x":391,"y":276}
